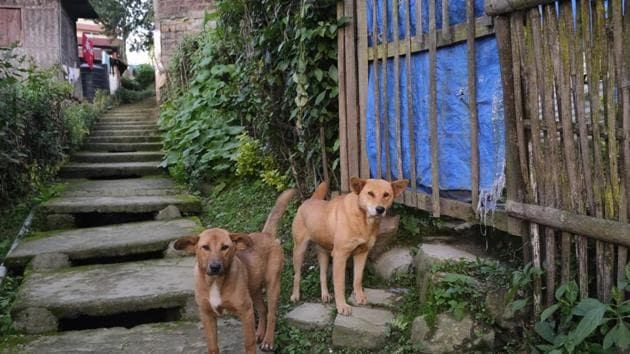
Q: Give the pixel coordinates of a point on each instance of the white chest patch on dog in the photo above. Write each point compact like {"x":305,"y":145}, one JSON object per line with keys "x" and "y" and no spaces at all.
{"x":215,"y":297}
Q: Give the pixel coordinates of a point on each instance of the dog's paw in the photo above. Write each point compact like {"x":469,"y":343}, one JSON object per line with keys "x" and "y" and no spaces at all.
{"x":344,"y":309}
{"x":326,"y":297}
{"x":295,"y":297}
{"x":266,"y":346}
{"x":361,"y":298}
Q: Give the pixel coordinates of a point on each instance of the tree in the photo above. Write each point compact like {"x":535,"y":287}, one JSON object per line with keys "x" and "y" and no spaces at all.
{"x":122,"y":18}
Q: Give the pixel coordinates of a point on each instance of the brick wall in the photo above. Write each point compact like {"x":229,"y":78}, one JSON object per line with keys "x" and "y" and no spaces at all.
{"x":174,"y":19}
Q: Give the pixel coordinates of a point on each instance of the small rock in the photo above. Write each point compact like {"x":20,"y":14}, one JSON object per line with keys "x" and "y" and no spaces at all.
{"x":364,"y":329}
{"x":397,"y":260}
{"x":388,"y":230}
{"x":35,"y":320}
{"x":449,"y":334}
{"x":50,"y":261}
{"x":169,"y":213}
{"x":171,"y":252}
{"x":427,"y":255}
{"x":310,"y":316}
{"x":60,"y":221}
{"x":379,"y":298}
{"x":419,"y":329}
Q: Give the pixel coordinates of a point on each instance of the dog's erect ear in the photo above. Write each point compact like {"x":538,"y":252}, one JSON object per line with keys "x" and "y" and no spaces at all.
{"x":242,"y":241}
{"x":399,"y":186}
{"x":188,"y":244}
{"x":357,"y":184}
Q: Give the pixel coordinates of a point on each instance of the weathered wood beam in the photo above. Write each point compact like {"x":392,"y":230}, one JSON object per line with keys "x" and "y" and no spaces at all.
{"x":597,"y":228}
{"x":501,"y":7}
{"x":457,"y":33}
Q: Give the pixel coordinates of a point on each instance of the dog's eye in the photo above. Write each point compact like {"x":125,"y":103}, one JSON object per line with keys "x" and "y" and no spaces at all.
{"x":224,"y":247}
{"x":371,"y":194}
{"x":206,"y":247}
{"x":386,"y":195}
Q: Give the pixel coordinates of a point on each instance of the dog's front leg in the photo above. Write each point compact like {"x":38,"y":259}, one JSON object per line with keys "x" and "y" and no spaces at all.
{"x":249,"y":334}
{"x":210,"y":327}
{"x":359,"y":266}
{"x":340,"y":258}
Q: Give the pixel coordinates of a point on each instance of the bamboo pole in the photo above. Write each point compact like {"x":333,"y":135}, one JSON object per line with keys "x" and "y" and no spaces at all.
{"x":385,"y":31}
{"x":343,"y":128}
{"x":472,"y":105}
{"x":514,"y":180}
{"x":399,"y":165}
{"x":410,"y":103}
{"x":433,"y":122}
{"x":377,"y":91}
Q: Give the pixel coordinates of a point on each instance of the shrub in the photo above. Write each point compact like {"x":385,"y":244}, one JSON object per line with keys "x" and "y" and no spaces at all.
{"x":123,"y":95}
{"x":40,"y":124}
{"x":145,"y":75}
{"x":129,"y":84}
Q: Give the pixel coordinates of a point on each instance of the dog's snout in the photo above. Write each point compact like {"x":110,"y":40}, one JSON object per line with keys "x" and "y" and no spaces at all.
{"x":214,"y":268}
{"x":380,"y":209}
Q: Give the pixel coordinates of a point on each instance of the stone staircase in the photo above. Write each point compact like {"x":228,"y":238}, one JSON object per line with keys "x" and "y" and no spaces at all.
{"x":99,"y":280}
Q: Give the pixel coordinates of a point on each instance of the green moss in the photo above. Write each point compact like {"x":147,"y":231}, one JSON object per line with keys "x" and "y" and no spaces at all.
{"x":12,"y":344}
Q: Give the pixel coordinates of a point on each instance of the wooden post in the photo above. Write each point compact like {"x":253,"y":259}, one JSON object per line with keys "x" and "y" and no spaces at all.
{"x":410,"y":118}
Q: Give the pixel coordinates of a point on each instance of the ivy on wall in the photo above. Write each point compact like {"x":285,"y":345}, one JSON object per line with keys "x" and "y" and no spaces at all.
{"x":268,"y":68}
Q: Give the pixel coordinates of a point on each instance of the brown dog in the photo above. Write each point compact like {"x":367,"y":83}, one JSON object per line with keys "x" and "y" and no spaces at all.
{"x":346,"y":225}
{"x":231,"y":272}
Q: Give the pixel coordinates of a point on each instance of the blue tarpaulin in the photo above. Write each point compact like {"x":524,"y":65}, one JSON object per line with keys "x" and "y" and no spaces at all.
{"x":452,"y":106}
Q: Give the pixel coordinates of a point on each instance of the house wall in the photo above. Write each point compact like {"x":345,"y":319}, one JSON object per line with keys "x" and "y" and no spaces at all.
{"x":174,"y":19}
{"x":68,"y":39}
{"x":40,"y":29}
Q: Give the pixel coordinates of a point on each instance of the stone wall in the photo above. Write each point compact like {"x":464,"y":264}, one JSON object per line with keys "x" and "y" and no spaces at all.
{"x":174,"y":20}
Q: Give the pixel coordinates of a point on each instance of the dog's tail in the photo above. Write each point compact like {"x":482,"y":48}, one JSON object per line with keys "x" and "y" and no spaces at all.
{"x":271,"y":225}
{"x":320,"y":191}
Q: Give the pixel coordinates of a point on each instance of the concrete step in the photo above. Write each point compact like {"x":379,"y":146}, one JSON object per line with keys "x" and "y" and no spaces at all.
{"x":123,"y":147}
{"x":126,"y":119}
{"x":111,"y":157}
{"x":124,"y":127}
{"x":105,"y":241}
{"x":146,"y":186}
{"x":127,"y":132}
{"x":124,"y":139}
{"x":120,"y":204}
{"x":101,"y":290}
{"x":160,"y":338}
{"x":116,"y":169}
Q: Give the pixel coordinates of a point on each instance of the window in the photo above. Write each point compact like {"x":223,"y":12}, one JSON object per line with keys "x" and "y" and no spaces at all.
{"x":10,"y":26}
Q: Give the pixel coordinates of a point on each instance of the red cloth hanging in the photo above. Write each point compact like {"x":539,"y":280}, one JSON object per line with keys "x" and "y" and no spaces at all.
{"x":88,"y":50}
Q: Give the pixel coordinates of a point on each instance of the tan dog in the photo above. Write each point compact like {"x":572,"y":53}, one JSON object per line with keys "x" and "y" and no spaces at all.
{"x":346,"y":225}
{"x":231,"y":272}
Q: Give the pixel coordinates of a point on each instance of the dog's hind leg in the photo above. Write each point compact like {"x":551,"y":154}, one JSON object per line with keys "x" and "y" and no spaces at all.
{"x":261,"y":313}
{"x":273,"y":297}
{"x":322,"y":258}
{"x":300,"y":243}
